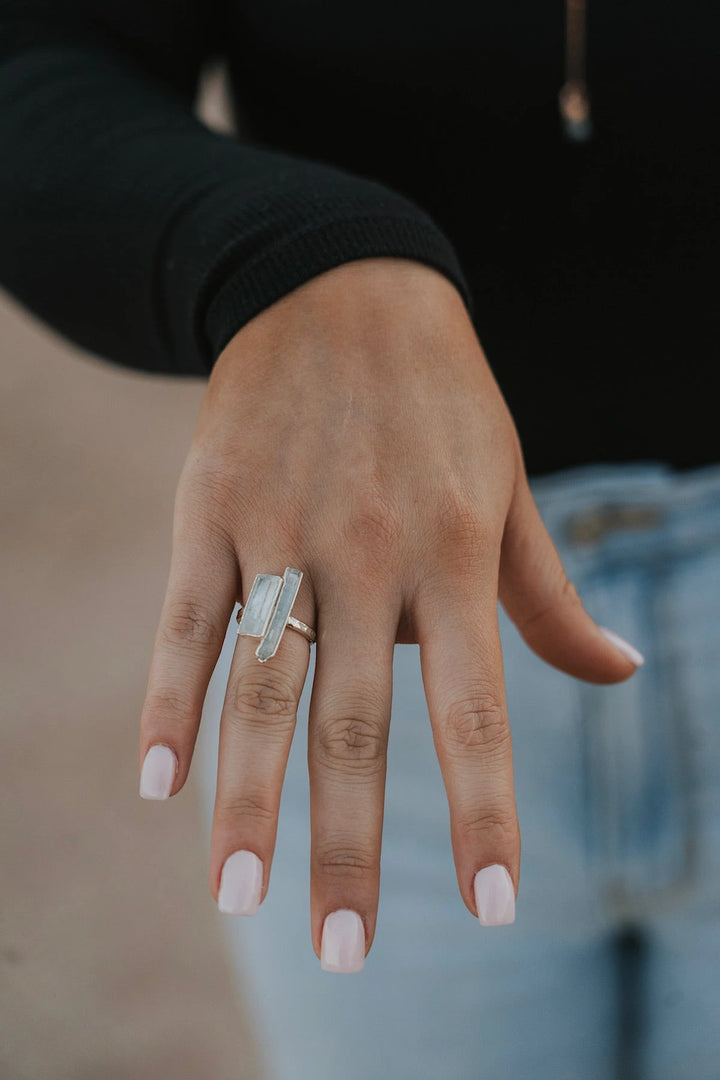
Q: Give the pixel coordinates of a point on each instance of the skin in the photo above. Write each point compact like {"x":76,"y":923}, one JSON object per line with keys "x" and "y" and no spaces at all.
{"x":354,"y":430}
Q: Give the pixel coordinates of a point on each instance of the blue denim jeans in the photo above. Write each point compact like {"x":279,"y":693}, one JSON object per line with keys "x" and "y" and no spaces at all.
{"x":612,"y":966}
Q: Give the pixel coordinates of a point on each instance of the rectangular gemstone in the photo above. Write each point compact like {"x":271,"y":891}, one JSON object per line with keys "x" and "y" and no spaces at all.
{"x":259,"y":607}
{"x":286,"y":599}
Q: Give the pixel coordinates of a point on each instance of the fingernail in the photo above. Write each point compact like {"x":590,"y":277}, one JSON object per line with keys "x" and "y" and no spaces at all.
{"x":158,"y":773}
{"x":624,"y":646}
{"x":343,"y":942}
{"x":240,"y":884}
{"x":494,"y":896}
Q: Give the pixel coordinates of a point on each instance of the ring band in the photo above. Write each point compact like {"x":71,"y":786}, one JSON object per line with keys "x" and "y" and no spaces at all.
{"x":267,"y":611}
{"x":297,"y":624}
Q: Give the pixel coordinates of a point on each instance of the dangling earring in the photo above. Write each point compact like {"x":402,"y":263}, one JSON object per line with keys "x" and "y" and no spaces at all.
{"x":573,"y":100}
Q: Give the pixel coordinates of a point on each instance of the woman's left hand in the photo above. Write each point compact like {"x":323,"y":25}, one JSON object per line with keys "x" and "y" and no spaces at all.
{"x":354,"y":430}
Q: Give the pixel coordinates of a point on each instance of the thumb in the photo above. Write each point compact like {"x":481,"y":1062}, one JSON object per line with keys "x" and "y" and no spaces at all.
{"x":537,"y":595}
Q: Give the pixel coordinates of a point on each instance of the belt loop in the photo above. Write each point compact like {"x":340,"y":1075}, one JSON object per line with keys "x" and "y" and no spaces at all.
{"x":590,"y":525}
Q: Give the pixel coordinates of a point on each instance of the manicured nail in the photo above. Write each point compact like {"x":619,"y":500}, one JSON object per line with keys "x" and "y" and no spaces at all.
{"x":494,"y":896}
{"x":343,"y":942}
{"x":240,"y":884}
{"x":158,"y":773}
{"x":624,"y":646}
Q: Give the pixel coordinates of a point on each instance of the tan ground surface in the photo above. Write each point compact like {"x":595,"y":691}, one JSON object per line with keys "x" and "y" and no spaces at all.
{"x":111,"y":957}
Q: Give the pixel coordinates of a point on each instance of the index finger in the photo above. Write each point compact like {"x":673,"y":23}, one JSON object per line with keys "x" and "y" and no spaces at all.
{"x":199,"y":599}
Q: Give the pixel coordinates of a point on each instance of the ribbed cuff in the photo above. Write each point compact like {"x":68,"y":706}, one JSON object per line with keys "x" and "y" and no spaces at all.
{"x":250,"y":287}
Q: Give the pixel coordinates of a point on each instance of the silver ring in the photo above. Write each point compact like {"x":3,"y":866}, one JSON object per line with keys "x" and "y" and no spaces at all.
{"x":267,"y":611}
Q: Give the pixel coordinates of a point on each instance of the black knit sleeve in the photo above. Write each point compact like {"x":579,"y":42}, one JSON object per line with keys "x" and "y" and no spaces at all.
{"x":132,"y":228}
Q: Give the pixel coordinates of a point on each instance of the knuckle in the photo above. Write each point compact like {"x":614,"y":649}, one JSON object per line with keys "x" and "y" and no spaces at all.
{"x":373,"y":527}
{"x":565,"y":595}
{"x":346,"y":861}
{"x":569,"y":593}
{"x":188,"y":624}
{"x":353,"y":743}
{"x":464,"y":530}
{"x":214,"y":494}
{"x":271,"y":697}
{"x":213,"y":491}
{"x":212,"y":470}
{"x":169,"y":706}
{"x":236,"y":808}
{"x":498,"y":825}
{"x":478,"y":723}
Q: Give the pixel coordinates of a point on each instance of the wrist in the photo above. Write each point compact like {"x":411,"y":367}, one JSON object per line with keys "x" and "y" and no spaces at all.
{"x":377,"y":300}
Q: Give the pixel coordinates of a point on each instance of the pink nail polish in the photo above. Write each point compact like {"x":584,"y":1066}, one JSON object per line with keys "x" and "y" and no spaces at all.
{"x":624,"y":646}
{"x":494,"y":896}
{"x":343,"y":942}
{"x":158,"y":773}
{"x":240,"y":884}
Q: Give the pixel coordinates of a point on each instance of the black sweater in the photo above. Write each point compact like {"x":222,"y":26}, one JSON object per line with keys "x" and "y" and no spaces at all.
{"x":387,"y":127}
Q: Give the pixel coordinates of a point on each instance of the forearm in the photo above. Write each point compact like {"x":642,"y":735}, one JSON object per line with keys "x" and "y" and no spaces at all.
{"x":145,"y":237}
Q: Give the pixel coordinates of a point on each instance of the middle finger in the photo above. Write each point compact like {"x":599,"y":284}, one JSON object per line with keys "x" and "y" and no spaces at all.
{"x":256,"y":731}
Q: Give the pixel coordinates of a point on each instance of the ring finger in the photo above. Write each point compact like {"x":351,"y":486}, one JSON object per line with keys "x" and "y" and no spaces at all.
{"x":347,"y":755}
{"x":256,"y":731}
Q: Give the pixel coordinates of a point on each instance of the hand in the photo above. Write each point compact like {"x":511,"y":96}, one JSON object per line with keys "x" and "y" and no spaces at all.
{"x":354,"y":430}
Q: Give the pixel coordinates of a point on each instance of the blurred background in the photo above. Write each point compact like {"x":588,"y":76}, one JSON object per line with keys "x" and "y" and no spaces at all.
{"x":112,"y":962}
